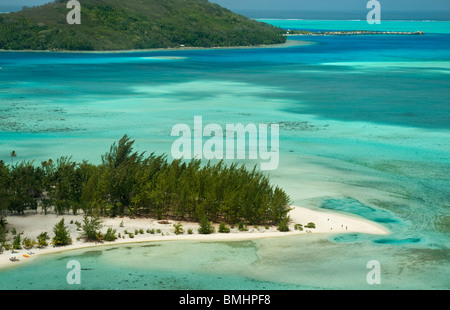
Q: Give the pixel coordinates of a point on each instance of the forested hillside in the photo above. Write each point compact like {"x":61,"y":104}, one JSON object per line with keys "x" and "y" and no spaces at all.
{"x":132,"y":24}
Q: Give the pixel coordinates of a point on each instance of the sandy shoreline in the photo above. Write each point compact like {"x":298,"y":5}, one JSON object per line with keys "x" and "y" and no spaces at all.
{"x":33,"y":224}
{"x":288,"y":43}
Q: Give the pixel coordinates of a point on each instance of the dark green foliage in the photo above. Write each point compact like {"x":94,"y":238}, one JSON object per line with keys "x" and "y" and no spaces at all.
{"x":17,"y":242}
{"x":223,"y":228}
{"x":62,"y":234}
{"x":91,"y":228}
{"x":25,"y":187}
{"x":298,"y":227}
{"x":63,"y":183}
{"x":42,"y":239}
{"x":110,"y":235}
{"x":178,"y":229}
{"x":206,"y":227}
{"x":120,"y":167}
{"x":132,"y":24}
{"x":283,"y":226}
{"x":5,"y":182}
{"x":310,"y":225}
{"x":3,"y":234}
{"x":242,"y":226}
{"x":28,"y":243}
{"x":127,"y":183}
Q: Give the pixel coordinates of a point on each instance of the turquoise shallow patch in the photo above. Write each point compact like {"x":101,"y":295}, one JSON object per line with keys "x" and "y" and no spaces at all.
{"x":398,"y":241}
{"x":351,"y":205}
{"x":350,"y":25}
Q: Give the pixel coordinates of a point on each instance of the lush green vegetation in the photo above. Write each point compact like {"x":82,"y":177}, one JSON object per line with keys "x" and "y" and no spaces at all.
{"x":132,"y":24}
{"x":62,"y":234}
{"x":42,"y":240}
{"x":128,"y":183}
{"x":206,"y":227}
{"x":310,"y":225}
{"x":283,"y":226}
{"x":223,"y":228}
{"x":91,"y":228}
{"x":3,"y":235}
{"x":178,"y":229}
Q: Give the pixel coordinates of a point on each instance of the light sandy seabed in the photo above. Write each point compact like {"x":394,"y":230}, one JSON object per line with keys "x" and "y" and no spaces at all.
{"x":33,"y":224}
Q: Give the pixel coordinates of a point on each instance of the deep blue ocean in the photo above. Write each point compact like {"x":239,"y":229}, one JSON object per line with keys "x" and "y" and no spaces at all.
{"x":364,"y":128}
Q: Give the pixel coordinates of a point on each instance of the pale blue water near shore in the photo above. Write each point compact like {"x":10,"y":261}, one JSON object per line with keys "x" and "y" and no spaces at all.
{"x":427,"y":26}
{"x":364,"y":128}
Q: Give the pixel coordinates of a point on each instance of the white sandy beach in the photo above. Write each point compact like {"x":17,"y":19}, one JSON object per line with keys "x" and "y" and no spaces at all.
{"x":33,"y":224}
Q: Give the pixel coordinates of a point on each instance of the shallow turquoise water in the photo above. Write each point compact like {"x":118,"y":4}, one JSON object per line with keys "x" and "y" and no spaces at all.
{"x":427,"y":26}
{"x":153,"y":266}
{"x":364,"y":128}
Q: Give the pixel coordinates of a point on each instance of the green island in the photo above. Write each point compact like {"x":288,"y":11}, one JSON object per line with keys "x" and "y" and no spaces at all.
{"x":132,"y":24}
{"x":127,"y":183}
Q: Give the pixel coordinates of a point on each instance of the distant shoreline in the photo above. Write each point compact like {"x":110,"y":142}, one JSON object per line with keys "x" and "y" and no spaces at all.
{"x":352,"y":33}
{"x":288,"y":43}
{"x":262,"y":19}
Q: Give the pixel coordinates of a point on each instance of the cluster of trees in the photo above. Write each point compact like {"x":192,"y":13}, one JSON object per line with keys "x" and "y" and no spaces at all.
{"x":129,"y":183}
{"x":23,"y":34}
{"x":90,"y":230}
{"x":122,"y":25}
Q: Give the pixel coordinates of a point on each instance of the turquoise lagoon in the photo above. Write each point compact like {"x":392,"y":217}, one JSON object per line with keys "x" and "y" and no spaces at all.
{"x":364,"y":129}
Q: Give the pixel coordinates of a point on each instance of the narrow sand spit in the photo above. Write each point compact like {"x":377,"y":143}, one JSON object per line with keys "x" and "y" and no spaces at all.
{"x":33,"y":224}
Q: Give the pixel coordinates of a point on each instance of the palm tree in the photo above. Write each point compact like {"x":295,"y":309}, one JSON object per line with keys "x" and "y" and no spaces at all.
{"x":178,"y":229}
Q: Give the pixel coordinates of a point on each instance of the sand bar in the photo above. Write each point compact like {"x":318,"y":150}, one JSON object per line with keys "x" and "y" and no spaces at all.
{"x":33,"y":224}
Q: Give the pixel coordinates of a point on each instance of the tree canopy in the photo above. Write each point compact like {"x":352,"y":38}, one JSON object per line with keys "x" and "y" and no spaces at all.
{"x":132,"y":24}
{"x":129,"y":183}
